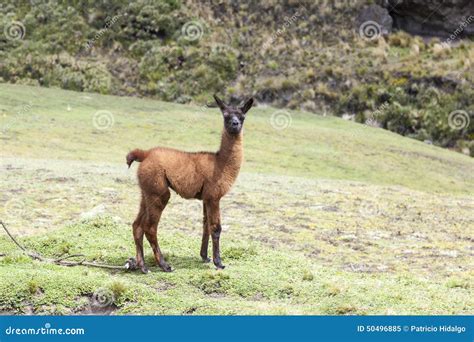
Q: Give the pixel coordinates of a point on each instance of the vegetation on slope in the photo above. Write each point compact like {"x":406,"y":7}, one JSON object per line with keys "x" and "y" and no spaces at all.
{"x":299,"y":55}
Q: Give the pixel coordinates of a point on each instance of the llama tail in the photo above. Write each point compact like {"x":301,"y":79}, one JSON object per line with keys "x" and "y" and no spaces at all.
{"x":136,"y":155}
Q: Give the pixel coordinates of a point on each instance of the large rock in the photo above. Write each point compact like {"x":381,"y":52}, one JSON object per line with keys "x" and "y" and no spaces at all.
{"x":442,"y":18}
{"x":377,"y":14}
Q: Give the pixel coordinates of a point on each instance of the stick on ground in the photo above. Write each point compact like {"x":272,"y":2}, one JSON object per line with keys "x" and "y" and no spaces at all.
{"x":129,"y":265}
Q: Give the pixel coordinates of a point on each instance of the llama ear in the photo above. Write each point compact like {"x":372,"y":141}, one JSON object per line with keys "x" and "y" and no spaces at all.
{"x":219,"y":102}
{"x":246,"y":107}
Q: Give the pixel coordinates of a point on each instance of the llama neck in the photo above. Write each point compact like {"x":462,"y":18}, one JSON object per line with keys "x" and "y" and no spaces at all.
{"x":230,"y":155}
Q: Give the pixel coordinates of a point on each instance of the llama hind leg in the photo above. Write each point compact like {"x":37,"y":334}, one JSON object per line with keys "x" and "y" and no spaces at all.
{"x":155,"y":205}
{"x":205,"y":235}
{"x":138,"y":237}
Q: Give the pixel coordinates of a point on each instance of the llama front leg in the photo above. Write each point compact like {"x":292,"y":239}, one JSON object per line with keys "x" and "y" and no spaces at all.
{"x":214,"y":223}
{"x":205,"y":235}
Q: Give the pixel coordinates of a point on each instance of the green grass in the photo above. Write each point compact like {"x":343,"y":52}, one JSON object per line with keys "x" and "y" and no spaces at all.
{"x":258,"y":280}
{"x":327,"y":216}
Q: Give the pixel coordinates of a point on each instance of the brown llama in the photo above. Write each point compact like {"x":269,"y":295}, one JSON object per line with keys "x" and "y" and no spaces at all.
{"x":193,"y":175}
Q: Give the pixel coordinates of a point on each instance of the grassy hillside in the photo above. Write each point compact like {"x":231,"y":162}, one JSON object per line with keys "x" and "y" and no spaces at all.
{"x":327,"y":216}
{"x":312,"y":145}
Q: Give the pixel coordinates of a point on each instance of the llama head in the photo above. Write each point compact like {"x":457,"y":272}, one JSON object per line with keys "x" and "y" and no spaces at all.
{"x":234,"y":117}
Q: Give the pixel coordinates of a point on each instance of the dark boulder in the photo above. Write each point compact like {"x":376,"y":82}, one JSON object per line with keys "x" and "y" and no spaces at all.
{"x":442,"y":18}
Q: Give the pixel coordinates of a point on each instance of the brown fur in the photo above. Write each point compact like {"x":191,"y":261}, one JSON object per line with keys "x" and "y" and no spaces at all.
{"x":193,"y":175}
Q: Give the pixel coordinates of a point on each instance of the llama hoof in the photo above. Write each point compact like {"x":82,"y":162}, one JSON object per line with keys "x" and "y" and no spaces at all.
{"x":206,"y":260}
{"x":165,"y":267}
{"x":219,"y":265}
{"x":144,"y":270}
